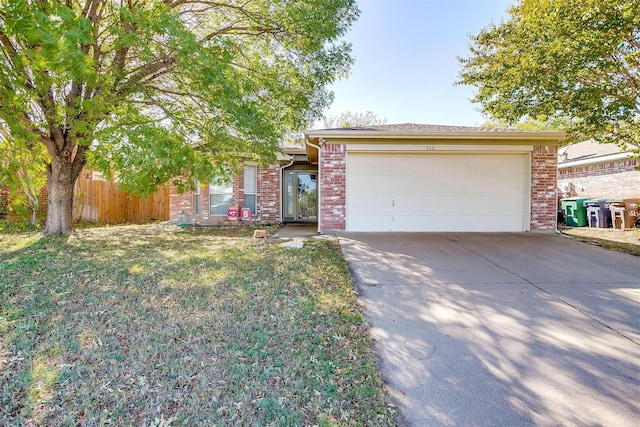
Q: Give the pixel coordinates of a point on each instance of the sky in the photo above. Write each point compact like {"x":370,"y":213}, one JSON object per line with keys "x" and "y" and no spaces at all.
{"x":406,"y":60}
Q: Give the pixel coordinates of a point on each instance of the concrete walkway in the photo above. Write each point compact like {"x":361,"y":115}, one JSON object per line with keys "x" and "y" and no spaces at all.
{"x":298,"y":230}
{"x":501,"y":329}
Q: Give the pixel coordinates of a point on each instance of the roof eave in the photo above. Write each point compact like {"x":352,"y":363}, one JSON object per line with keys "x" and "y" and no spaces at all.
{"x":593,"y":160}
{"x":543,"y":137}
{"x":316,"y":137}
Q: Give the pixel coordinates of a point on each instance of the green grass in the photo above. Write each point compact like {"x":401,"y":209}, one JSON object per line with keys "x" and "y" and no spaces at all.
{"x":627,"y":241}
{"x":7,"y":226}
{"x":618,"y":246}
{"x":152,"y":325}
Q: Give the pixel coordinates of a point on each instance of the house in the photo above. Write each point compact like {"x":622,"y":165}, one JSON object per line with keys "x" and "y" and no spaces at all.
{"x":405,"y":177}
{"x":592,"y":169}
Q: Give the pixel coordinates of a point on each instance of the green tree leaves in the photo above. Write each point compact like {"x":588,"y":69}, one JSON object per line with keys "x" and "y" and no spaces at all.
{"x":574,"y":61}
{"x":150,"y":90}
{"x":349,"y":119}
{"x":22,"y":171}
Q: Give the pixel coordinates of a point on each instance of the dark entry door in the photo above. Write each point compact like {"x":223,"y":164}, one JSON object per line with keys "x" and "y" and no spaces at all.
{"x":300,"y":196}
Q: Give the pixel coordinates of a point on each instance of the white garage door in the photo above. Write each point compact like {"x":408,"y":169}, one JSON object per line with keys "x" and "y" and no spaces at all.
{"x":437,"y":192}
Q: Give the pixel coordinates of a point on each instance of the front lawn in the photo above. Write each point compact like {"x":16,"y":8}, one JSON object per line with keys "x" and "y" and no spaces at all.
{"x":624,"y":241}
{"x":153,"y":325}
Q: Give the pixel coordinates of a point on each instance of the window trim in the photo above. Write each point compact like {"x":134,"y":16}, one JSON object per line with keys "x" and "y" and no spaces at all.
{"x":254,"y":208}
{"x":223,"y":185}
{"x":197,"y":199}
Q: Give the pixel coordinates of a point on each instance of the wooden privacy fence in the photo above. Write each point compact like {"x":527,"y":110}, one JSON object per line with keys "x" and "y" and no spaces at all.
{"x":105,"y":201}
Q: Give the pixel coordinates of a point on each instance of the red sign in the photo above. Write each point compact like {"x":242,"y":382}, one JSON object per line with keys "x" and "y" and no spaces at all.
{"x":232,"y":213}
{"x":245,"y":213}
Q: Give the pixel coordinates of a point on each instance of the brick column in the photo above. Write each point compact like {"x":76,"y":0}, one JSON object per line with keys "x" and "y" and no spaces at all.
{"x":333,"y":190}
{"x":268,"y":200}
{"x":544,"y":183}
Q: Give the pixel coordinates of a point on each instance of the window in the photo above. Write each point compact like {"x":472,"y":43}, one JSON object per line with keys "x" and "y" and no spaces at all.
{"x":220,"y":197}
{"x":250,"y":187}
{"x":196,"y":198}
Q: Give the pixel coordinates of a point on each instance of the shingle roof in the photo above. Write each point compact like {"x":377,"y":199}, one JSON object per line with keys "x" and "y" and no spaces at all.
{"x":418,"y":133}
{"x":427,"y":128}
{"x":586,"y":150}
{"x":293,"y":146}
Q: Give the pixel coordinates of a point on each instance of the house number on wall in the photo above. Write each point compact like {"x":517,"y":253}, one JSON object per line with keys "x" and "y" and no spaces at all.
{"x":430,"y":148}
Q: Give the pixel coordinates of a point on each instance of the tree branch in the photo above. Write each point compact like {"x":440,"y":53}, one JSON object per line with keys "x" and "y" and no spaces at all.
{"x":245,"y":30}
{"x":11,"y":52}
{"x":632,"y":79}
{"x":154,"y":69}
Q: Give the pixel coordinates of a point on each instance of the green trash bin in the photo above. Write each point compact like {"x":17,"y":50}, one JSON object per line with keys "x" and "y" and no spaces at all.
{"x":575,"y":214}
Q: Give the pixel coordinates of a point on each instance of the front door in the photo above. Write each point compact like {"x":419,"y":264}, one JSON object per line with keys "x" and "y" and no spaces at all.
{"x":300,"y":196}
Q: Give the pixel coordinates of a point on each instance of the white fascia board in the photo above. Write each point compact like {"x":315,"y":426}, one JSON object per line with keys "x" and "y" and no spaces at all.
{"x":283,"y":157}
{"x":439,"y":148}
{"x":338,"y":135}
{"x":594,"y":161}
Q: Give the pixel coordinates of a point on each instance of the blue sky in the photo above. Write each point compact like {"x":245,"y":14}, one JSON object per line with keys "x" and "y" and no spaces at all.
{"x":405,"y":60}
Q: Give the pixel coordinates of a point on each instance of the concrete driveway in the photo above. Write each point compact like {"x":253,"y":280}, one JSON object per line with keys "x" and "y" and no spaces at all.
{"x":501,"y":329}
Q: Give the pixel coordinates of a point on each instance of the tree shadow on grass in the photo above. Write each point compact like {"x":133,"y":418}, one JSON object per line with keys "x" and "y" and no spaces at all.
{"x":121,"y":326}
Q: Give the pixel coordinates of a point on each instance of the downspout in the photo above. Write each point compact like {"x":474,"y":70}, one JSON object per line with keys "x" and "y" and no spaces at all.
{"x":557,"y":230}
{"x":319,"y":186}
{"x":282,"y":168}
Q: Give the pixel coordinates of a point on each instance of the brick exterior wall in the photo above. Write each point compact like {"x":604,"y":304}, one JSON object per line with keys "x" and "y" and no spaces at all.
{"x":332,"y":172}
{"x":614,"y":179}
{"x":333,"y":189}
{"x":544,"y":197}
{"x":181,"y":206}
{"x":268,"y":197}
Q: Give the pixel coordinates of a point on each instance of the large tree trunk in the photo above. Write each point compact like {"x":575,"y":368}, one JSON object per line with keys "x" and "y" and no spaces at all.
{"x":61,"y":179}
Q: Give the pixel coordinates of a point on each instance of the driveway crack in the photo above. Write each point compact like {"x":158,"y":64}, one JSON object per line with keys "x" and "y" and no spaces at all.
{"x":428,"y":356}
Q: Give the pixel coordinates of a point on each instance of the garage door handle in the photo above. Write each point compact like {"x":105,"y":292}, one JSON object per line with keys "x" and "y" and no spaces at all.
{"x":393,"y":203}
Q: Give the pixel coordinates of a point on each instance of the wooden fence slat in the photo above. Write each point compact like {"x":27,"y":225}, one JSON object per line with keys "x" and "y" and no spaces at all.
{"x":105,"y":201}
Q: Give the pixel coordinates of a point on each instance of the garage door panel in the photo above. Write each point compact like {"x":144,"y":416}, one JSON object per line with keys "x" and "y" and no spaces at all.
{"x":455,"y":223}
{"x":485,"y":163}
{"x":436,"y":192}
{"x":461,"y":185}
{"x":371,"y":205}
{"x":363,"y":182}
{"x":455,"y":205}
{"x":367,"y":222}
{"x":434,"y":223}
{"x":451,"y":182}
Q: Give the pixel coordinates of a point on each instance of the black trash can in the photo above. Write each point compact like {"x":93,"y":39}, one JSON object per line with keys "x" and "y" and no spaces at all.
{"x":598,"y":213}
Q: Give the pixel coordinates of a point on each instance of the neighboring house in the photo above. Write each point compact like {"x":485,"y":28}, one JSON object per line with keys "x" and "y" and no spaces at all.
{"x":591,"y":169}
{"x":404,"y":177}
